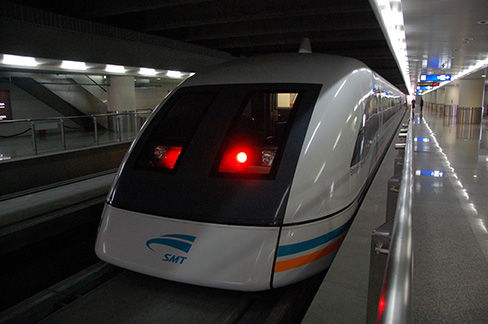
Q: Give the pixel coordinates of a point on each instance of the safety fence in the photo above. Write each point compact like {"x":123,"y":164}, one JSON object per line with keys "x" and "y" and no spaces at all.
{"x":63,"y":133}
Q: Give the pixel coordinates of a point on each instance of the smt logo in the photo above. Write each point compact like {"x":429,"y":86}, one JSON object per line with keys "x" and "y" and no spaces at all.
{"x":180,"y":242}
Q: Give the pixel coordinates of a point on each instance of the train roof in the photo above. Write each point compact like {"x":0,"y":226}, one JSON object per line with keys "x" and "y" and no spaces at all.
{"x":279,"y":68}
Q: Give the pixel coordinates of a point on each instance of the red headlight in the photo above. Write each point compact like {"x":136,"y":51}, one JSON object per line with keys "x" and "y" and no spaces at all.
{"x":241,"y":157}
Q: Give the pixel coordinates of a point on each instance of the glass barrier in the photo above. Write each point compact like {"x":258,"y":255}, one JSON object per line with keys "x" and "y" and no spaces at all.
{"x":26,"y":137}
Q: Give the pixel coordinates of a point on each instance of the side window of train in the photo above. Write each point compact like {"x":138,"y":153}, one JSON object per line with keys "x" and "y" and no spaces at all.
{"x":367,"y":131}
{"x":173,"y":131}
{"x":253,"y":143}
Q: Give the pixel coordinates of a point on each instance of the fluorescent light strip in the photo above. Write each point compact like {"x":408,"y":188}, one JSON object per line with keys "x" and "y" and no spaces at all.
{"x":19,"y":60}
{"x":50,"y":65}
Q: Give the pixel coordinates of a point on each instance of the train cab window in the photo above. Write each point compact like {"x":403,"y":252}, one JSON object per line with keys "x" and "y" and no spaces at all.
{"x":253,"y":142}
{"x":173,"y":131}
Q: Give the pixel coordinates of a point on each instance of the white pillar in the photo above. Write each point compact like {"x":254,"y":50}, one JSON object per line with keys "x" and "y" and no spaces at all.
{"x":121,"y":94}
{"x":471,"y":92}
{"x":470,"y":101}
{"x":441,"y":96}
{"x":452,"y":95}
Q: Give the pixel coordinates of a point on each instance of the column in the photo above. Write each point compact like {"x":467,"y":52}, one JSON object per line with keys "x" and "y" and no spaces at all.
{"x":121,"y":94}
{"x":451,"y":99}
{"x":439,"y":99}
{"x":470,"y":100}
{"x":121,"y":99}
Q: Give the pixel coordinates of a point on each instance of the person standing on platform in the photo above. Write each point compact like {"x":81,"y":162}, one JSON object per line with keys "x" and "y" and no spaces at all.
{"x":421,"y":104}
{"x":413,"y":104}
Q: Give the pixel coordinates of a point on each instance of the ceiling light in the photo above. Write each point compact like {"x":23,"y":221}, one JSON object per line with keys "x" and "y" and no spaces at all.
{"x":174,"y":74}
{"x":115,"y":68}
{"x":483,"y":22}
{"x":146,"y":71}
{"x":478,"y":66}
{"x":73,"y":65}
{"x":19,"y":60}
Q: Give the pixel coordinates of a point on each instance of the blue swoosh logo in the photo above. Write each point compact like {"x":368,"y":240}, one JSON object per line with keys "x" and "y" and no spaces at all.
{"x":177,"y":241}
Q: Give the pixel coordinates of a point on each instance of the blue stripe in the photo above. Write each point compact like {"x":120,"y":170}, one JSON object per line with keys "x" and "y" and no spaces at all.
{"x":182,"y":246}
{"x":181,"y":236}
{"x":289,"y":249}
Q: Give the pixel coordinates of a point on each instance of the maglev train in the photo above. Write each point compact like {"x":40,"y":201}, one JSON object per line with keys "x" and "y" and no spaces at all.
{"x":248,"y":175}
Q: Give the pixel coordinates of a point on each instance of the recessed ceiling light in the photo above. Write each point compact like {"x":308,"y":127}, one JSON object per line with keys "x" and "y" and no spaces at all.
{"x":115,"y":68}
{"x":73,"y":65}
{"x":147,"y":71}
{"x":19,"y":60}
{"x":483,"y":22}
{"x":174,"y":74}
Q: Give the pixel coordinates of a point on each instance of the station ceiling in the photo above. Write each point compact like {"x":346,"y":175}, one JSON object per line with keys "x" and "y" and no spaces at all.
{"x":350,"y":28}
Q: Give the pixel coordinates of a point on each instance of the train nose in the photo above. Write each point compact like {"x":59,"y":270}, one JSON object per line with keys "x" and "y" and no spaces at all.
{"x":214,"y":255}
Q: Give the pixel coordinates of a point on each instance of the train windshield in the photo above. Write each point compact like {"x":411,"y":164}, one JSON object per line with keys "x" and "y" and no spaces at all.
{"x":164,"y":147}
{"x":219,"y":153}
{"x":251,"y":145}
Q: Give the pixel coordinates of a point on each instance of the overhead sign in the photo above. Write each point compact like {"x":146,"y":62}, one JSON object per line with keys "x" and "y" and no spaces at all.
{"x":425,"y":88}
{"x":435,"y":77}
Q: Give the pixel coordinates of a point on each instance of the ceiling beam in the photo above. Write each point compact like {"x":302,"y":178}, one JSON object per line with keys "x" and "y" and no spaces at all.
{"x":102,"y":9}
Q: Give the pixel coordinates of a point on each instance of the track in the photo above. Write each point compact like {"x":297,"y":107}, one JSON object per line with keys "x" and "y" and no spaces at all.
{"x":48,"y":235}
{"x":107,"y":294}
{"x":50,"y":273}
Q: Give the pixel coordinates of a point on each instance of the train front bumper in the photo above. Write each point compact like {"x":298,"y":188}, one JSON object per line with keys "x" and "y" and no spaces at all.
{"x":213,"y":255}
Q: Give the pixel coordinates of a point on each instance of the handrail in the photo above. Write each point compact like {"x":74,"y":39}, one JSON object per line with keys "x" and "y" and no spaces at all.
{"x":395,"y":303}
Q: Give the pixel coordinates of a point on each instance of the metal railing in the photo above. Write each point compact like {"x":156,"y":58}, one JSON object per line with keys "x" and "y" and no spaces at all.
{"x":391,"y":254}
{"x":395,"y":303}
{"x":70,"y":132}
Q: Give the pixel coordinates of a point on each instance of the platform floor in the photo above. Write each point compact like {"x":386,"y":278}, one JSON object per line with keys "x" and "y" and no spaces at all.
{"x":450,"y":220}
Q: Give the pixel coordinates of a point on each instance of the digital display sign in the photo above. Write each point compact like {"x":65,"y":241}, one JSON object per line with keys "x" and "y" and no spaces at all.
{"x":435,"y":77}
{"x":5,"y":107}
{"x":430,"y":83}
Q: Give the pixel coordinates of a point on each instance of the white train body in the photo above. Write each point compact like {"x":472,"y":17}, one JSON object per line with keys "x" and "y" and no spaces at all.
{"x":184,"y":210}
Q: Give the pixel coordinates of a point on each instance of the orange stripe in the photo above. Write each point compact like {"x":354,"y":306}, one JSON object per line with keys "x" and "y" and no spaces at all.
{"x":306,"y":259}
